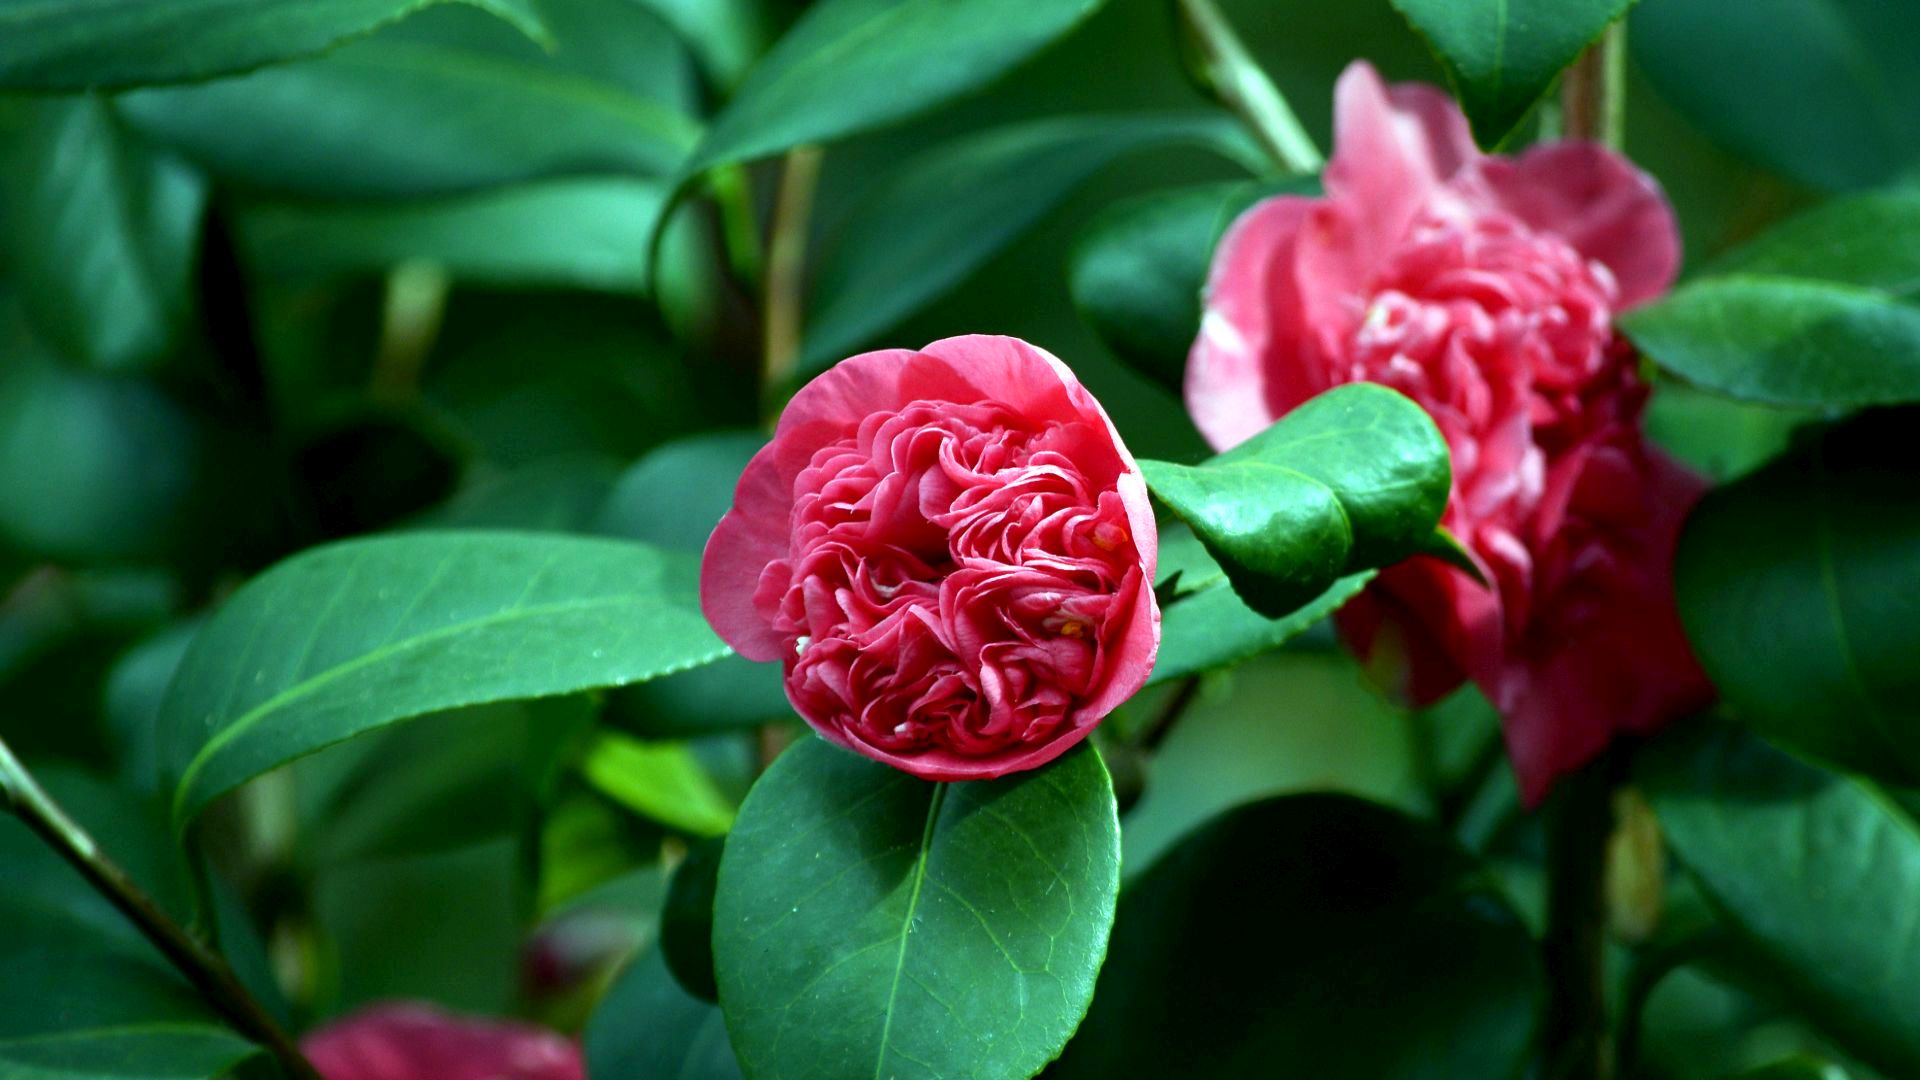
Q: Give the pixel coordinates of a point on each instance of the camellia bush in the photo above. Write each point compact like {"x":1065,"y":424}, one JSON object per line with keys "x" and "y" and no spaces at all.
{"x":696,"y":539}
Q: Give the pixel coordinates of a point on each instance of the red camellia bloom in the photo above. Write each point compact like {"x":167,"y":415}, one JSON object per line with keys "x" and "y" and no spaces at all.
{"x":1485,"y":289}
{"x":418,"y":1042}
{"x":951,"y":552}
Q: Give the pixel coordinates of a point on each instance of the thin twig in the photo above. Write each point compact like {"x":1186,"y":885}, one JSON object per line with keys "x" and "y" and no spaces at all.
{"x":204,"y":968}
{"x":1593,"y":91}
{"x":1241,"y":85}
{"x":786,"y":265}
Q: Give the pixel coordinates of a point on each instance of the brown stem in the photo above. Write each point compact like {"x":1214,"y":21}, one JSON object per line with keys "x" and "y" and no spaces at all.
{"x":1579,"y":821}
{"x":786,"y":265}
{"x":1593,"y":91}
{"x":204,"y":968}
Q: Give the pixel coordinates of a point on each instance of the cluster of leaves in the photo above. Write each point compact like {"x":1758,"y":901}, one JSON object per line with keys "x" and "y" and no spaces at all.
{"x":373,"y":371}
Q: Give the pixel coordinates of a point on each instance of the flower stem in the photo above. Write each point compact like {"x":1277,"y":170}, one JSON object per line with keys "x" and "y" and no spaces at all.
{"x":786,"y":265}
{"x":1579,"y":822}
{"x":209,"y":973}
{"x":1593,"y":91}
{"x":1232,"y":76}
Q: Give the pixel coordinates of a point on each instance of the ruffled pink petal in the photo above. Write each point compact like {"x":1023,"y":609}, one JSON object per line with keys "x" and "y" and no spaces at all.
{"x":1596,"y":201}
{"x":1245,"y":368}
{"x":1609,"y":661}
{"x":1391,"y":152}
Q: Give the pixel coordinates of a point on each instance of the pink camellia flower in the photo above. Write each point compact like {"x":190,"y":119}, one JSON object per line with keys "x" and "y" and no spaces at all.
{"x":951,"y":552}
{"x":1484,"y":288}
{"x":419,"y":1042}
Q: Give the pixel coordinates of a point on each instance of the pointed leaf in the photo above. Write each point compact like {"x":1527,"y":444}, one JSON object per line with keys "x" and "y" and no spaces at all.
{"x":352,"y":636}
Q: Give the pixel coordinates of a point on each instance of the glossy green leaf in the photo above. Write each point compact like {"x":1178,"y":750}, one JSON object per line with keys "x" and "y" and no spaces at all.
{"x":352,"y":636}
{"x":1137,"y":270}
{"x":686,"y":923}
{"x":1203,"y":623}
{"x":1501,"y":55}
{"x":1823,"y":310}
{"x":1354,"y":479}
{"x":869,"y":922}
{"x":1797,"y":589}
{"x":850,"y":65}
{"x":1816,"y":870}
{"x":82,"y":994}
{"x":660,"y":780}
{"x":444,"y":102}
{"x":120,"y":43}
{"x":1824,"y":91}
{"x":946,"y":212}
{"x":1799,"y":1067}
{"x":101,"y":235}
{"x":726,"y":35}
{"x":647,"y":1026}
{"x":1287,"y":930}
{"x":556,"y":494}
{"x":588,"y":233}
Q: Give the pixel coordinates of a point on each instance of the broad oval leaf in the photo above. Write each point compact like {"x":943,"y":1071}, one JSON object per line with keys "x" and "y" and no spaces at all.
{"x":1824,"y":91}
{"x":1823,"y":310}
{"x":438,"y":104}
{"x":1354,"y":479}
{"x":352,"y":636}
{"x":64,"y":46}
{"x":1137,"y":270}
{"x":1797,"y":587}
{"x":1204,"y":624}
{"x":101,"y":235}
{"x":869,"y":922}
{"x":850,"y":65}
{"x":1285,"y":930}
{"x":1816,"y":870}
{"x":950,"y":209}
{"x":82,"y":994}
{"x":1501,"y":55}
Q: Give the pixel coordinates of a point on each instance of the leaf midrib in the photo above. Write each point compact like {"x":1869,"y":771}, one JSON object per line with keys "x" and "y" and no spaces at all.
{"x":906,"y":922}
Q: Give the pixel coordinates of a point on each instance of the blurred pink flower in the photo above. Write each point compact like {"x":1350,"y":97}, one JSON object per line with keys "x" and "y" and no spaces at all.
{"x":951,"y":552}
{"x":1484,"y":288}
{"x":418,"y":1042}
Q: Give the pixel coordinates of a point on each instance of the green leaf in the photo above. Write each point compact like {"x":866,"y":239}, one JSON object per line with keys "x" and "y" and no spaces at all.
{"x":1204,"y":625}
{"x":1823,"y":310}
{"x":1251,"y":942}
{"x":659,"y":780}
{"x":1798,"y":1067}
{"x":437,"y":104}
{"x":101,"y":235}
{"x":588,"y":233}
{"x":696,"y":477}
{"x":726,"y":35}
{"x":1824,"y":91}
{"x":97,"y":468}
{"x":1796,"y":586}
{"x":1501,"y":55}
{"x":1354,"y":479}
{"x":850,"y":65}
{"x":647,"y":1026}
{"x":947,"y":211}
{"x":867,"y":921}
{"x":1137,"y":270}
{"x":130,"y":43}
{"x":1816,"y":870}
{"x":558,"y":494}
{"x":686,"y":923}
{"x":356,"y":635}
{"x":82,"y":994}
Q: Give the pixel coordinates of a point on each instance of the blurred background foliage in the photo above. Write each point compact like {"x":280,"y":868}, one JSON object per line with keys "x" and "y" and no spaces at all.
{"x":408,"y":284}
